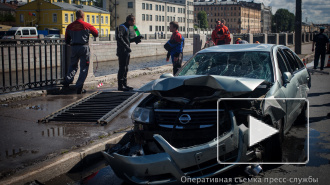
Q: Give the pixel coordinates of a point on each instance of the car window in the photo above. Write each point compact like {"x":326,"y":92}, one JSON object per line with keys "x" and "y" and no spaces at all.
{"x":298,"y":61}
{"x":25,"y":32}
{"x":291,"y":60}
{"x":254,"y":64}
{"x":33,"y":32}
{"x":281,"y":63}
{"x":18,"y":33}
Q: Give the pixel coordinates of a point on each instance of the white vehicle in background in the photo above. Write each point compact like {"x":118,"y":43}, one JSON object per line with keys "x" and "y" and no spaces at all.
{"x":22,"y":32}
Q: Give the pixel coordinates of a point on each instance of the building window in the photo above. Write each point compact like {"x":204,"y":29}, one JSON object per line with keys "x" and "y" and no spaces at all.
{"x":162,"y":28}
{"x":147,"y":6}
{"x":106,"y":19}
{"x":88,"y":19}
{"x":150,"y":17}
{"x":156,"y":7}
{"x":168,"y":28}
{"x":21,"y":18}
{"x":156,"y":17}
{"x":71,"y":17}
{"x":143,"y":6}
{"x":159,"y":28}
{"x":93,"y":19}
{"x":97,"y":19}
{"x":147,"y":17}
{"x":54,"y":17}
{"x":106,"y":32}
{"x":163,"y":18}
{"x":150,"y":28}
{"x":173,"y":18}
{"x":168,"y":18}
{"x":171,"y":9}
{"x":156,"y":27}
{"x":163,"y":8}
{"x":143,"y":17}
{"x":221,"y":8}
{"x":150,"y":6}
{"x":130,"y":5}
{"x":66,"y":17}
{"x":168,"y":8}
{"x":102,"y":32}
{"x":102,"y":20}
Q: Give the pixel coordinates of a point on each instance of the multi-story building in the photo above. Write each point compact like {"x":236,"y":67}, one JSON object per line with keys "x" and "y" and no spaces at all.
{"x":241,"y":17}
{"x":152,"y":15}
{"x":58,"y":15}
{"x":266,"y":19}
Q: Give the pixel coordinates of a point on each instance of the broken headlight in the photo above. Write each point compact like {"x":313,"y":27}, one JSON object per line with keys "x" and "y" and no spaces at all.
{"x":142,"y":115}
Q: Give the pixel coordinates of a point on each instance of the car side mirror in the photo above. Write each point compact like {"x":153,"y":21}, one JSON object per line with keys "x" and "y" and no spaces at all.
{"x":287,"y":77}
{"x":166,"y":75}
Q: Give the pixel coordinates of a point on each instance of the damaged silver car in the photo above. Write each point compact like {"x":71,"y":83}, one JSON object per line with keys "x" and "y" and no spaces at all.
{"x":180,"y":129}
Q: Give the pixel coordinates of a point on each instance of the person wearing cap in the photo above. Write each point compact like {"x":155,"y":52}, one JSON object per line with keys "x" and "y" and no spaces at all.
{"x":240,"y":41}
{"x":321,"y":41}
{"x":221,"y":33}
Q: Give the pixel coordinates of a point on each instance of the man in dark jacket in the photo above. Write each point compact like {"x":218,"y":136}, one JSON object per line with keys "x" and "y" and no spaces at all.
{"x":77,"y":35}
{"x":124,"y":50}
{"x":322,"y":44}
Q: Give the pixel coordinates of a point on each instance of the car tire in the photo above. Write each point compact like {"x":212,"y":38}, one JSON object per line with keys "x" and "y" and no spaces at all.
{"x":273,"y":145}
{"x":302,"y":117}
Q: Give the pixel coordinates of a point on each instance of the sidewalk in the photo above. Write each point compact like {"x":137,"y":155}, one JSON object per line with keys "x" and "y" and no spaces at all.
{"x":31,"y":150}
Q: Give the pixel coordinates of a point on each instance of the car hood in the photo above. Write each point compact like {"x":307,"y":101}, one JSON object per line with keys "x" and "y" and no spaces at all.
{"x":229,"y":84}
{"x":181,"y":86}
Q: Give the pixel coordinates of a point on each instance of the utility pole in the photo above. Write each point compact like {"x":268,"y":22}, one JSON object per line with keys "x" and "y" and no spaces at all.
{"x":297,"y":45}
{"x":115,"y":14}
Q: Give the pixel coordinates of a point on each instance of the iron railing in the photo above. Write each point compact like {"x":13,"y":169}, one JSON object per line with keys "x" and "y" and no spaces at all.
{"x":27,"y":64}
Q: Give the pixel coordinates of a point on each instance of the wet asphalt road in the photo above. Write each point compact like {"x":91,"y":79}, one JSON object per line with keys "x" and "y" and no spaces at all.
{"x":295,"y":148}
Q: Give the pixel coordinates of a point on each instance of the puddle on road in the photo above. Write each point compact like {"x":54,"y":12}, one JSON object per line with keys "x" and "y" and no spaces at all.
{"x":315,"y":149}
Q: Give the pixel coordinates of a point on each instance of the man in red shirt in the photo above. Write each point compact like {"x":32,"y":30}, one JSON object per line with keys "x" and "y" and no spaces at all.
{"x":77,"y":35}
{"x":176,"y":45}
{"x":221,"y":34}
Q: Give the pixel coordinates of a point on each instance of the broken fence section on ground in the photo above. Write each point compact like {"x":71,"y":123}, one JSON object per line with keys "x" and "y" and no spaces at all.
{"x":100,"y":107}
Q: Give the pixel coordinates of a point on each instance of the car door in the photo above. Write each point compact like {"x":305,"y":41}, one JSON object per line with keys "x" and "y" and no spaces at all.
{"x":294,"y":87}
{"x":286,"y":87}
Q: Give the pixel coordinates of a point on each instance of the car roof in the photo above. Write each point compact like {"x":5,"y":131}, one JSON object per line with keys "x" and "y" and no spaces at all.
{"x":238,"y":48}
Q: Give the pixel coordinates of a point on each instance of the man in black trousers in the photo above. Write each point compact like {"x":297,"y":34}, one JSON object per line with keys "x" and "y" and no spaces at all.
{"x":124,"y":50}
{"x":322,"y":45}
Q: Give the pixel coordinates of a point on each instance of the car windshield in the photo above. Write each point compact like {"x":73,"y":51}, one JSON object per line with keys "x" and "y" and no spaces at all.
{"x":251,"y":64}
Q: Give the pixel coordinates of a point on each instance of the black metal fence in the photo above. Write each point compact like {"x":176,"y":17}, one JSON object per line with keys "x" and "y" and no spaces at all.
{"x":27,"y":64}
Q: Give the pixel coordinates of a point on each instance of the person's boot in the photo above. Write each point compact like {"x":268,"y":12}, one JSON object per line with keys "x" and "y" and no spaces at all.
{"x":64,"y":83}
{"x":128,"y":87}
{"x":121,"y":87}
{"x":81,"y":90}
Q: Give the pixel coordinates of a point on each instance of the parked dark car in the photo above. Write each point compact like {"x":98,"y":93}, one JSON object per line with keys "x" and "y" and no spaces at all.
{"x":181,"y":129}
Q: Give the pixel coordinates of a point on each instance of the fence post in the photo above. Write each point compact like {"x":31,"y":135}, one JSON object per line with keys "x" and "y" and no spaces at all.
{"x":266,"y":38}
{"x":285,"y":39}
{"x":232,"y":38}
{"x":250,"y":36}
{"x":66,"y":56}
{"x":199,"y":42}
{"x":90,"y":75}
{"x":277,"y":38}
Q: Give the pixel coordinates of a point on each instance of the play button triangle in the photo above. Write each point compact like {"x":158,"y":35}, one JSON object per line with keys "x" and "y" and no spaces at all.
{"x":259,"y":131}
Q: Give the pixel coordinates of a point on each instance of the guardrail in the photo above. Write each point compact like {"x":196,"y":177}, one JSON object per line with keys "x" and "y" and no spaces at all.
{"x":27,"y":64}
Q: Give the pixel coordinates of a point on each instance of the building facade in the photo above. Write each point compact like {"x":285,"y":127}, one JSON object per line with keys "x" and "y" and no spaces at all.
{"x":58,"y":15}
{"x":152,"y":16}
{"x":266,"y":19}
{"x":241,"y":17}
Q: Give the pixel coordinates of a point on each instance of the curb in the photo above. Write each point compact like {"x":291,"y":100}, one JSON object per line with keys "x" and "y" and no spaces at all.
{"x":49,"y":169}
{"x":31,"y":93}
